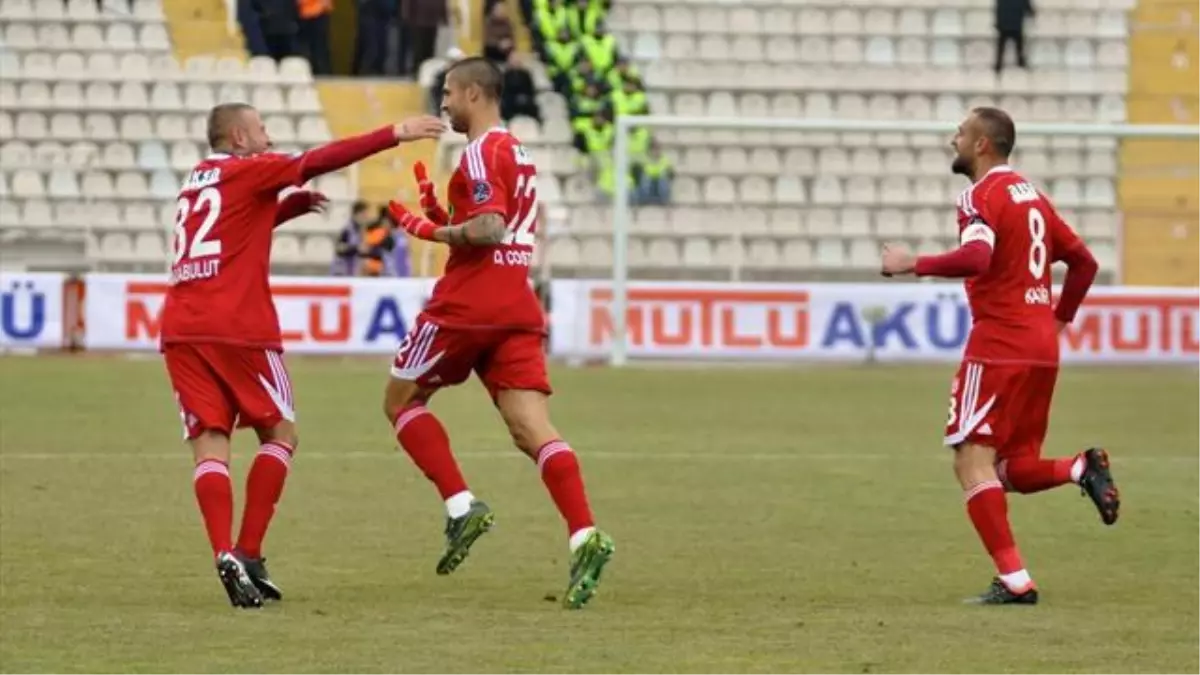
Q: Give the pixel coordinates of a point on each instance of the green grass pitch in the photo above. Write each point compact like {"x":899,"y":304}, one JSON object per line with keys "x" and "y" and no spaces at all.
{"x":766,"y":519}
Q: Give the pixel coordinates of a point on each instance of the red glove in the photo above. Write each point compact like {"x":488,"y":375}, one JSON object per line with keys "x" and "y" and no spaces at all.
{"x":429,"y":203}
{"x":412,"y":224}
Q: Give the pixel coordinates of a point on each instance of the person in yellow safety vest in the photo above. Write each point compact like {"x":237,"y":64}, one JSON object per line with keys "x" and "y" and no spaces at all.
{"x":639,"y":144}
{"x":584,"y":75}
{"x":585,"y":105}
{"x":622,"y":70}
{"x":630,"y":99}
{"x":600,"y":48}
{"x":562,"y":53}
{"x":552,"y":18}
{"x":593,"y":133}
{"x":584,"y":16}
{"x":654,"y":177}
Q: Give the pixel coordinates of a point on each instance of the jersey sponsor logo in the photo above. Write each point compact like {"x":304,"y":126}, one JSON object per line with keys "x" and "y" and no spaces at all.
{"x":481,"y":192}
{"x":686,"y":319}
{"x":1023,"y":192}
{"x":1038,"y":295}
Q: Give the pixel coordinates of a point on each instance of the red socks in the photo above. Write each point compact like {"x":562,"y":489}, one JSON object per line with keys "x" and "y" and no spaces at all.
{"x":264,"y":485}
{"x":560,"y":473}
{"x":988,"y":509}
{"x":424,"y":439}
{"x":1033,"y":474}
{"x":214,"y":494}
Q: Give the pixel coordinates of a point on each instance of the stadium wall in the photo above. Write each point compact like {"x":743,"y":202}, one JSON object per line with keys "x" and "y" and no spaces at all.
{"x":898,"y":322}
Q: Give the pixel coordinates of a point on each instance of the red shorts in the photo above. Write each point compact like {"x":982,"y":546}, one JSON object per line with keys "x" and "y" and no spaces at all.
{"x":1006,"y":407}
{"x":221,"y":386}
{"x":436,"y":356}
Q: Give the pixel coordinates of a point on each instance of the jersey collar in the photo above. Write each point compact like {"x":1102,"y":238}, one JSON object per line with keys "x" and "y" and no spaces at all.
{"x":1002,"y":168}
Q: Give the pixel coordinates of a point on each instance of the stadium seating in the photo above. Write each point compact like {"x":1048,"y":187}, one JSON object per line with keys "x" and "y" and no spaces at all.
{"x":813,"y":205}
{"x":100,"y":124}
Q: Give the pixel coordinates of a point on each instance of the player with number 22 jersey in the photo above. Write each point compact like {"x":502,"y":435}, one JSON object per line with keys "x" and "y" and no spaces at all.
{"x":484,"y":317}
{"x":1009,"y":235}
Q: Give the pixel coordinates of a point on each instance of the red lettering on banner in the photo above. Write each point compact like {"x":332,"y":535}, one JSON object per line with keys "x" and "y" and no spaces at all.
{"x":705,"y":318}
{"x":1132,"y":324}
{"x":142,"y":323}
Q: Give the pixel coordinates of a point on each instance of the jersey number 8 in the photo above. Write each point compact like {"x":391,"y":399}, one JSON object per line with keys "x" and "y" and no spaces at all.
{"x":202,"y":246}
{"x":1037,"y":244}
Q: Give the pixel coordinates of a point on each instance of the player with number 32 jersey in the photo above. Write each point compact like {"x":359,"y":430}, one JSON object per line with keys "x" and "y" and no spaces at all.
{"x":1009,"y":235}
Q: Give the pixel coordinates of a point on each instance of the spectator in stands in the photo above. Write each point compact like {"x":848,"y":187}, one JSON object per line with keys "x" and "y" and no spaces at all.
{"x":279,"y":20}
{"x":519,"y":95}
{"x":313,"y":34}
{"x":622,"y":70}
{"x":561,"y":54}
{"x":375,"y":18}
{"x":584,"y":107}
{"x":376,"y":248}
{"x":630,"y":99}
{"x":421,"y":18}
{"x":498,"y":34}
{"x":345,"y":261}
{"x":582,"y":77}
{"x":552,"y":19}
{"x":1010,"y":27}
{"x":247,"y":16}
{"x":600,"y":47}
{"x":585,"y":17}
{"x":396,"y":263}
{"x":653,"y":176}
{"x":453,"y":55}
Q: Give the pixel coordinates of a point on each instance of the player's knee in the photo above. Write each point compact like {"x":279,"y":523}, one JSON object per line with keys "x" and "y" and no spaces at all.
{"x":974,"y":464}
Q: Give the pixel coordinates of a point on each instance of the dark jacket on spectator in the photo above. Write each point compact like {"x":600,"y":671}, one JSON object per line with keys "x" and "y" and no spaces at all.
{"x":1011,"y":14}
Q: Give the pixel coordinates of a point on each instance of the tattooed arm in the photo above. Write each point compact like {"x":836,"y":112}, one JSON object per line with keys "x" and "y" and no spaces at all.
{"x":486,"y":229}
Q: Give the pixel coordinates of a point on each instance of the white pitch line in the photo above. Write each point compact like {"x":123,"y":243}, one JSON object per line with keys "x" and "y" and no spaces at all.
{"x":732,"y":456}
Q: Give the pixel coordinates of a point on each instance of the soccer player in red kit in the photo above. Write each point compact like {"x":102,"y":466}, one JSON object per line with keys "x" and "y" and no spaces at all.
{"x":1000,"y":399}
{"x":484,"y":316}
{"x":220,"y":333}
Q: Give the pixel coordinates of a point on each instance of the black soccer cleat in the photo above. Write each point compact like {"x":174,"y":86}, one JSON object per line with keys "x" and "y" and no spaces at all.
{"x":461,"y":534}
{"x":242,"y":591}
{"x":999,"y":594}
{"x":1097,"y":482}
{"x":256,"y":569}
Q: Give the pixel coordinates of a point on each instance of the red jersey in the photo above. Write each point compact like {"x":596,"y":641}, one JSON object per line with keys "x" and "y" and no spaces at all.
{"x":219,"y":286}
{"x":489,"y":286}
{"x":1013,"y":319}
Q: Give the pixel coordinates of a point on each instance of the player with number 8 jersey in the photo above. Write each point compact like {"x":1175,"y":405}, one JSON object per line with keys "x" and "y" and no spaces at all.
{"x":220,"y":334}
{"x":1009,"y":235}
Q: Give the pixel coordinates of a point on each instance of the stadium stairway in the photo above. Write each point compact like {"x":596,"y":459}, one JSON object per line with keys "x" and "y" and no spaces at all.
{"x":201,"y":27}
{"x":1158,"y":186}
{"x":355,"y":106}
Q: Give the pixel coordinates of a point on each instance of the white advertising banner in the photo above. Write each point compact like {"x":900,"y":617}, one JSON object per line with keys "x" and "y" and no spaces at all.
{"x":316,"y":315}
{"x":897,"y":322}
{"x":31,"y":310}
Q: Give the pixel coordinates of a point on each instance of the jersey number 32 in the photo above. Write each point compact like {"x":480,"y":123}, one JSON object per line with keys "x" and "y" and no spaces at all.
{"x":208,"y":200}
